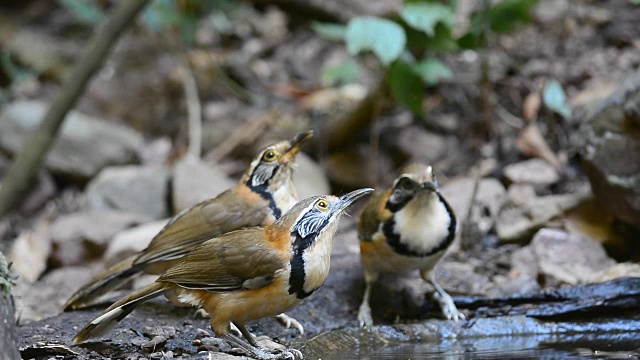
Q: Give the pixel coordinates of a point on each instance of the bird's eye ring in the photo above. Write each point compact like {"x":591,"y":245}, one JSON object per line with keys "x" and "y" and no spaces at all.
{"x":270,"y":155}
{"x":322,"y":204}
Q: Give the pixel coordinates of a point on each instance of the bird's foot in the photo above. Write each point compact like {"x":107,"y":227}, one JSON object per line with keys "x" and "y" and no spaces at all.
{"x":234,"y":329}
{"x":449,"y":309}
{"x":288,"y":322}
{"x":364,"y":315}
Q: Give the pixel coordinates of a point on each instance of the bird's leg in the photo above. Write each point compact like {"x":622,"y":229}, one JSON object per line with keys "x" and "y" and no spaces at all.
{"x":364,"y":314}
{"x":449,"y":309}
{"x":258,"y":351}
{"x":288,"y":322}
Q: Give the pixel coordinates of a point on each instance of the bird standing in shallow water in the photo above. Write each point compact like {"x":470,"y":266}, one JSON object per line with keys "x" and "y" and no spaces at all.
{"x":408,"y":227}
{"x":262,"y":195}
{"x":247,"y":274}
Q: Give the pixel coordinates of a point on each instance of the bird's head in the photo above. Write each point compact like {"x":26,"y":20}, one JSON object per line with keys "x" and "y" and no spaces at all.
{"x":414,"y":179}
{"x":272,"y":168}
{"x":315,"y":215}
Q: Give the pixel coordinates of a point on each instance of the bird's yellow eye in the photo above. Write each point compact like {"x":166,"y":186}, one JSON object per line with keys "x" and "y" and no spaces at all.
{"x":270,"y":155}
{"x":322,"y":204}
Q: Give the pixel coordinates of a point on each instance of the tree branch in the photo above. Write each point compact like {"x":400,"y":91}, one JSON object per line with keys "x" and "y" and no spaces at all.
{"x":20,"y":175}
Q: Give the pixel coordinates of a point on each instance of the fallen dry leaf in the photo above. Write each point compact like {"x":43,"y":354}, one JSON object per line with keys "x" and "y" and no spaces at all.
{"x":532,"y":144}
{"x":531,"y":106}
{"x":31,"y":251}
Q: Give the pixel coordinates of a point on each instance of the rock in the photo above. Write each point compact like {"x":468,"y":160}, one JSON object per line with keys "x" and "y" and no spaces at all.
{"x":534,"y":171}
{"x":132,"y":241}
{"x":84,"y":145}
{"x":84,"y":236}
{"x":310,"y":178}
{"x":195,"y":181}
{"x":139,"y":189}
{"x":154,"y":344}
{"x":521,"y":194}
{"x":167,"y":331}
{"x":611,"y":148}
{"x":156,"y":152}
{"x":421,"y":145}
{"x":45,"y":297}
{"x":519,"y":223}
{"x":490,"y":198}
{"x":616,"y":271}
{"x":31,"y":250}
{"x":568,"y":258}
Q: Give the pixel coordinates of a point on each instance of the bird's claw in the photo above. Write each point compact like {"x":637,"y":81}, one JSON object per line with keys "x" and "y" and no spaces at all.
{"x":449,"y":309}
{"x":364,"y":316}
{"x":288,"y":322}
{"x":291,"y":354}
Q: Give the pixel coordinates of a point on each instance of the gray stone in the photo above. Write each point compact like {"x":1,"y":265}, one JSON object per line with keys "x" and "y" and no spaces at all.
{"x":194,"y":181}
{"x":44,"y":298}
{"x":490,"y":197}
{"x":84,"y":145}
{"x":43,"y":190}
{"x":310,"y":178}
{"x":616,"y":271}
{"x":611,"y":149}
{"x":84,"y":236}
{"x":519,"y":223}
{"x":139,"y":189}
{"x":131,"y":241}
{"x":568,"y":258}
{"x":423,"y":146}
{"x":534,"y":171}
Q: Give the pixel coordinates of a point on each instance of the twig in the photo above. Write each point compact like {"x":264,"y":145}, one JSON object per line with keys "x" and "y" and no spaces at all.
{"x":21,"y":174}
{"x":194,"y":109}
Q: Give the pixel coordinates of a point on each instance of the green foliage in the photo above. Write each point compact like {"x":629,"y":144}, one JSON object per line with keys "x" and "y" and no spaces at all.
{"x":85,"y":11}
{"x":635,"y":2}
{"x":405,"y":86}
{"x":500,"y":18}
{"x":554,"y":99}
{"x":425,"y":16}
{"x":432,"y":71}
{"x":342,"y":73}
{"x":384,"y":37}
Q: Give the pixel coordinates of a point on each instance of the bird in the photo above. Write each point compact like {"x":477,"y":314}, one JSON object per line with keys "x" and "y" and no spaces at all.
{"x":261,"y":196}
{"x":247,"y":274}
{"x":406,"y":228}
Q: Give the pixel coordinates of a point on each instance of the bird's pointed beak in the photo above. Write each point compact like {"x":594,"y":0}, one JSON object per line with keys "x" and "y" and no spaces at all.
{"x":295,"y":144}
{"x":349,"y":198}
{"x":429,"y":185}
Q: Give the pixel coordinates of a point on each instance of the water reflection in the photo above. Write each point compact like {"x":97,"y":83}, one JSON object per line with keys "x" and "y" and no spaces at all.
{"x":583,"y":346}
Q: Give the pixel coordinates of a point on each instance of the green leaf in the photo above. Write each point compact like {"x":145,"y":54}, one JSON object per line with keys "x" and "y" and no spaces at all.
{"x":405,"y":86}
{"x":328,"y":31}
{"x":344,"y":73}
{"x":425,"y":16}
{"x":84,"y":10}
{"x":506,"y":14}
{"x":384,"y":37}
{"x":635,"y":2}
{"x":554,"y":98}
{"x":432,"y":71}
